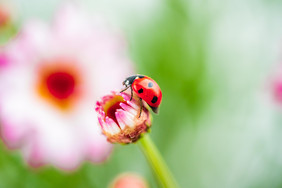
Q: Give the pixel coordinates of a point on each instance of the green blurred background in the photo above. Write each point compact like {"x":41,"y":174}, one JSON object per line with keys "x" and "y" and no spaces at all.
{"x":217,"y":126}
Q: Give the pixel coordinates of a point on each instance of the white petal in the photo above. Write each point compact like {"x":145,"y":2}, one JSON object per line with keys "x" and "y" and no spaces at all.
{"x":132,"y":104}
{"x":120,"y":116}
{"x":114,"y":129}
{"x":129,"y":109}
{"x":129,"y":119}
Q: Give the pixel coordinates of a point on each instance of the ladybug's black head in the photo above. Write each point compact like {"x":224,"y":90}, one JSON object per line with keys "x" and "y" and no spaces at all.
{"x":129,"y":80}
{"x":126,"y":83}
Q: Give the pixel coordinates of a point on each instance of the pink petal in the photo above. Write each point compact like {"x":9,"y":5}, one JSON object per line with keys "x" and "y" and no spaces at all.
{"x":99,"y":150}
{"x":12,"y":135}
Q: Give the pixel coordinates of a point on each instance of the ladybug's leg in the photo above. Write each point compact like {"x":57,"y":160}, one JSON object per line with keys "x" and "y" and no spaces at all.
{"x":124,"y":89}
{"x":131,"y":93}
{"x":141,"y":107}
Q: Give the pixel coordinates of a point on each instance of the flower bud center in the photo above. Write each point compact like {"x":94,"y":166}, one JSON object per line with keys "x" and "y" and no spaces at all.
{"x":111,"y":107}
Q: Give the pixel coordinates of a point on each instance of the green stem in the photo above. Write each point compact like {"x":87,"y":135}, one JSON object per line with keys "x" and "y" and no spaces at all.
{"x":157,"y":163}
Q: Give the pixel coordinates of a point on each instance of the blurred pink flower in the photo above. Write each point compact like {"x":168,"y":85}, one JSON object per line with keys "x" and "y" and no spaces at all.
{"x":4,"y":16}
{"x":8,"y":19}
{"x":50,"y":77}
{"x":278,"y":91}
{"x":129,"y":180}
{"x":276,"y":84}
{"x":7,"y":13}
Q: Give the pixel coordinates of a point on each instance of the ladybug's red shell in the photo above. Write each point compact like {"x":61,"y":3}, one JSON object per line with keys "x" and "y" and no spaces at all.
{"x":148,"y":90}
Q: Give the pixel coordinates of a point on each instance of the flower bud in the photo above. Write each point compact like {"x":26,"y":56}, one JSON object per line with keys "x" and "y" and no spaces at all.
{"x":122,"y":119}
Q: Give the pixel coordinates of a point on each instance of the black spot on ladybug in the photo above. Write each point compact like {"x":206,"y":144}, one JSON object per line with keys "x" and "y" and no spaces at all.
{"x":150,"y":84}
{"x":155,"y":99}
{"x":140,"y":90}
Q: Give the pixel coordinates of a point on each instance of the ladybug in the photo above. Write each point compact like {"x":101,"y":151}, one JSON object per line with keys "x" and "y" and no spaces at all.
{"x":146,"y":89}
